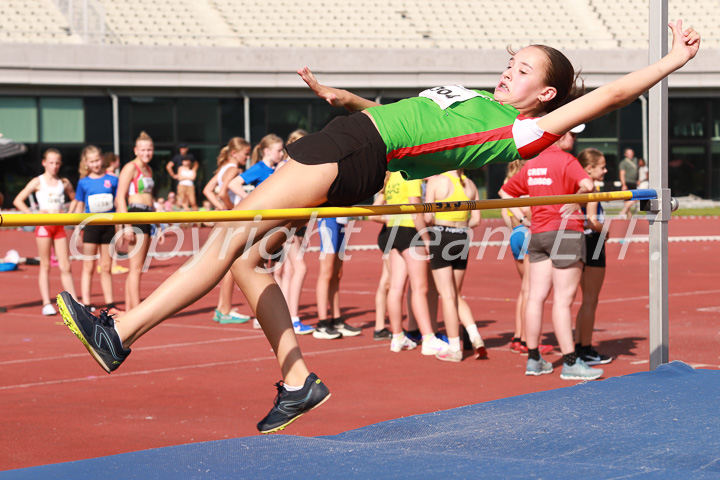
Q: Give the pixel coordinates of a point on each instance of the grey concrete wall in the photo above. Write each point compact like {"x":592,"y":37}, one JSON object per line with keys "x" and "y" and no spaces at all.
{"x":188,"y":69}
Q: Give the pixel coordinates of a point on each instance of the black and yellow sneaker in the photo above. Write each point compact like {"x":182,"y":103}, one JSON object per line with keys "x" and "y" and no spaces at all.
{"x":289,"y":406}
{"x":98,"y":334}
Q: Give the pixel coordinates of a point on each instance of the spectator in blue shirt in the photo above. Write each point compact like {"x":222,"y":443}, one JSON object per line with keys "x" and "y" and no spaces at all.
{"x":96,"y":194}
{"x":265,"y":156}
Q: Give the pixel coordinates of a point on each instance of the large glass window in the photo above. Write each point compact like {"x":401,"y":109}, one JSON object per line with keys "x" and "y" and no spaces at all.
{"x":98,"y":120}
{"x":278,"y":116}
{"x":62,"y":120}
{"x":18,"y":119}
{"x":687,"y":118}
{"x":321,"y":113}
{"x":198,"y":120}
{"x":604,"y":128}
{"x":207,"y":160}
{"x":687,"y":170}
{"x":232,"y":112}
{"x":631,"y":124}
{"x":154,"y":116}
{"x":715,"y":171}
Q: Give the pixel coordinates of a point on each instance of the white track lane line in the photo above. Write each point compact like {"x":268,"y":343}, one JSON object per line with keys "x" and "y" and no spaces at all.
{"x":186,"y":367}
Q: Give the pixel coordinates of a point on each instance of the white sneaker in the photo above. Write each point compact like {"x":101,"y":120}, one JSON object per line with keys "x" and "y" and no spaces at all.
{"x":48,"y":310}
{"x":434,"y":346}
{"x":256,"y":324}
{"x":238,"y":316}
{"x":450,"y":355}
{"x":404,"y":343}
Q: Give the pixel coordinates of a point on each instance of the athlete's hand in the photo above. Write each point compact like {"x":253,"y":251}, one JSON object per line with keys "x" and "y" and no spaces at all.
{"x":326,"y":93}
{"x":685,"y":43}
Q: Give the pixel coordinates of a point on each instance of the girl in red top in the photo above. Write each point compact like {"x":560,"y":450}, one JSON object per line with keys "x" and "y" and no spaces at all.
{"x":556,"y":252}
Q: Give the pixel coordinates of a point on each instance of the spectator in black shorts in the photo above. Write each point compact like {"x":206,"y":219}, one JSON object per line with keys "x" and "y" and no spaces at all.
{"x":593,"y":274}
{"x":96,"y":194}
{"x":448,"y":258}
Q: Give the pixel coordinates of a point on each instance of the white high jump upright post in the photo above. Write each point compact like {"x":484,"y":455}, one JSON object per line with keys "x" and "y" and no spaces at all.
{"x":660,"y":211}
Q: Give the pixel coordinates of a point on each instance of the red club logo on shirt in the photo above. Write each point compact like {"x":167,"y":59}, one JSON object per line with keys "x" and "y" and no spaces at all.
{"x":107,"y":184}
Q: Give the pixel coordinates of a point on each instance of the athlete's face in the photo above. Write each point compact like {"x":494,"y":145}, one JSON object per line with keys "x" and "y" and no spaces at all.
{"x":598,"y":171}
{"x":52,"y":163}
{"x":94,"y":162}
{"x":522,"y":84}
{"x":144,"y":151}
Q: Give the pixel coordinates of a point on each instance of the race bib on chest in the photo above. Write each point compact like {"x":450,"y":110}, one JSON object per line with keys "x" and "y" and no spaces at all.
{"x":100,"y":203}
{"x":52,"y":201}
{"x":446,"y":96}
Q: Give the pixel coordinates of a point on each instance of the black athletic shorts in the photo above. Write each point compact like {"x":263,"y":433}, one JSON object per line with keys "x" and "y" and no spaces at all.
{"x":451,"y":250}
{"x":98,"y":234}
{"x":353,"y":142}
{"x":382,"y":239}
{"x":402,"y":238}
{"x":300,"y":232}
{"x":145,"y":228}
{"x":593,"y":259}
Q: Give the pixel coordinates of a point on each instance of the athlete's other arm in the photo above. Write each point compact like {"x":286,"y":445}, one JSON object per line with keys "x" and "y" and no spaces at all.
{"x":335,"y":96}
{"x":624,"y":90}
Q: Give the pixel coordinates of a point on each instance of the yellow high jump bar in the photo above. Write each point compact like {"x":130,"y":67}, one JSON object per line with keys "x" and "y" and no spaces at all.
{"x":36,"y":219}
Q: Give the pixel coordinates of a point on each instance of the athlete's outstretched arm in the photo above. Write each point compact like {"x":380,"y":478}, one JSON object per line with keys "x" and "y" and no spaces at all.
{"x":335,"y":96}
{"x":624,"y":90}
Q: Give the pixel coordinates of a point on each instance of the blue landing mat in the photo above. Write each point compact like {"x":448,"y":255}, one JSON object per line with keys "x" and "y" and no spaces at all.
{"x":660,"y":424}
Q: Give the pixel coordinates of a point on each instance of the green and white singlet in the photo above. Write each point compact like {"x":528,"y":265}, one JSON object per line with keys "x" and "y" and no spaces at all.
{"x":451,"y":127}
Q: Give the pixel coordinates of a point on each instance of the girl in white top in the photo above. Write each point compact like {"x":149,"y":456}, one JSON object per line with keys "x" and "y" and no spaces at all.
{"x":51,"y":192}
{"x":186,"y":185}
{"x":231,"y":160}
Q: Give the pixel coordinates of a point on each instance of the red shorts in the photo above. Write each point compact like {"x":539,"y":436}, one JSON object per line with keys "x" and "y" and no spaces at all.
{"x":50,"y":231}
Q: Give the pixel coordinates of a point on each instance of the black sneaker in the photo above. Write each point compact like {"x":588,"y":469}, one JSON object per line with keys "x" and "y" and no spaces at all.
{"x":383,"y":334}
{"x":591,"y":357}
{"x":345,"y":329}
{"x":96,"y":333}
{"x":326,"y":331}
{"x":289,"y":406}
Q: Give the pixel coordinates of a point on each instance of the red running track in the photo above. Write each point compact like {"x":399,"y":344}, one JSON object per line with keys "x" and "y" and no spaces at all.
{"x":192,"y":380}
